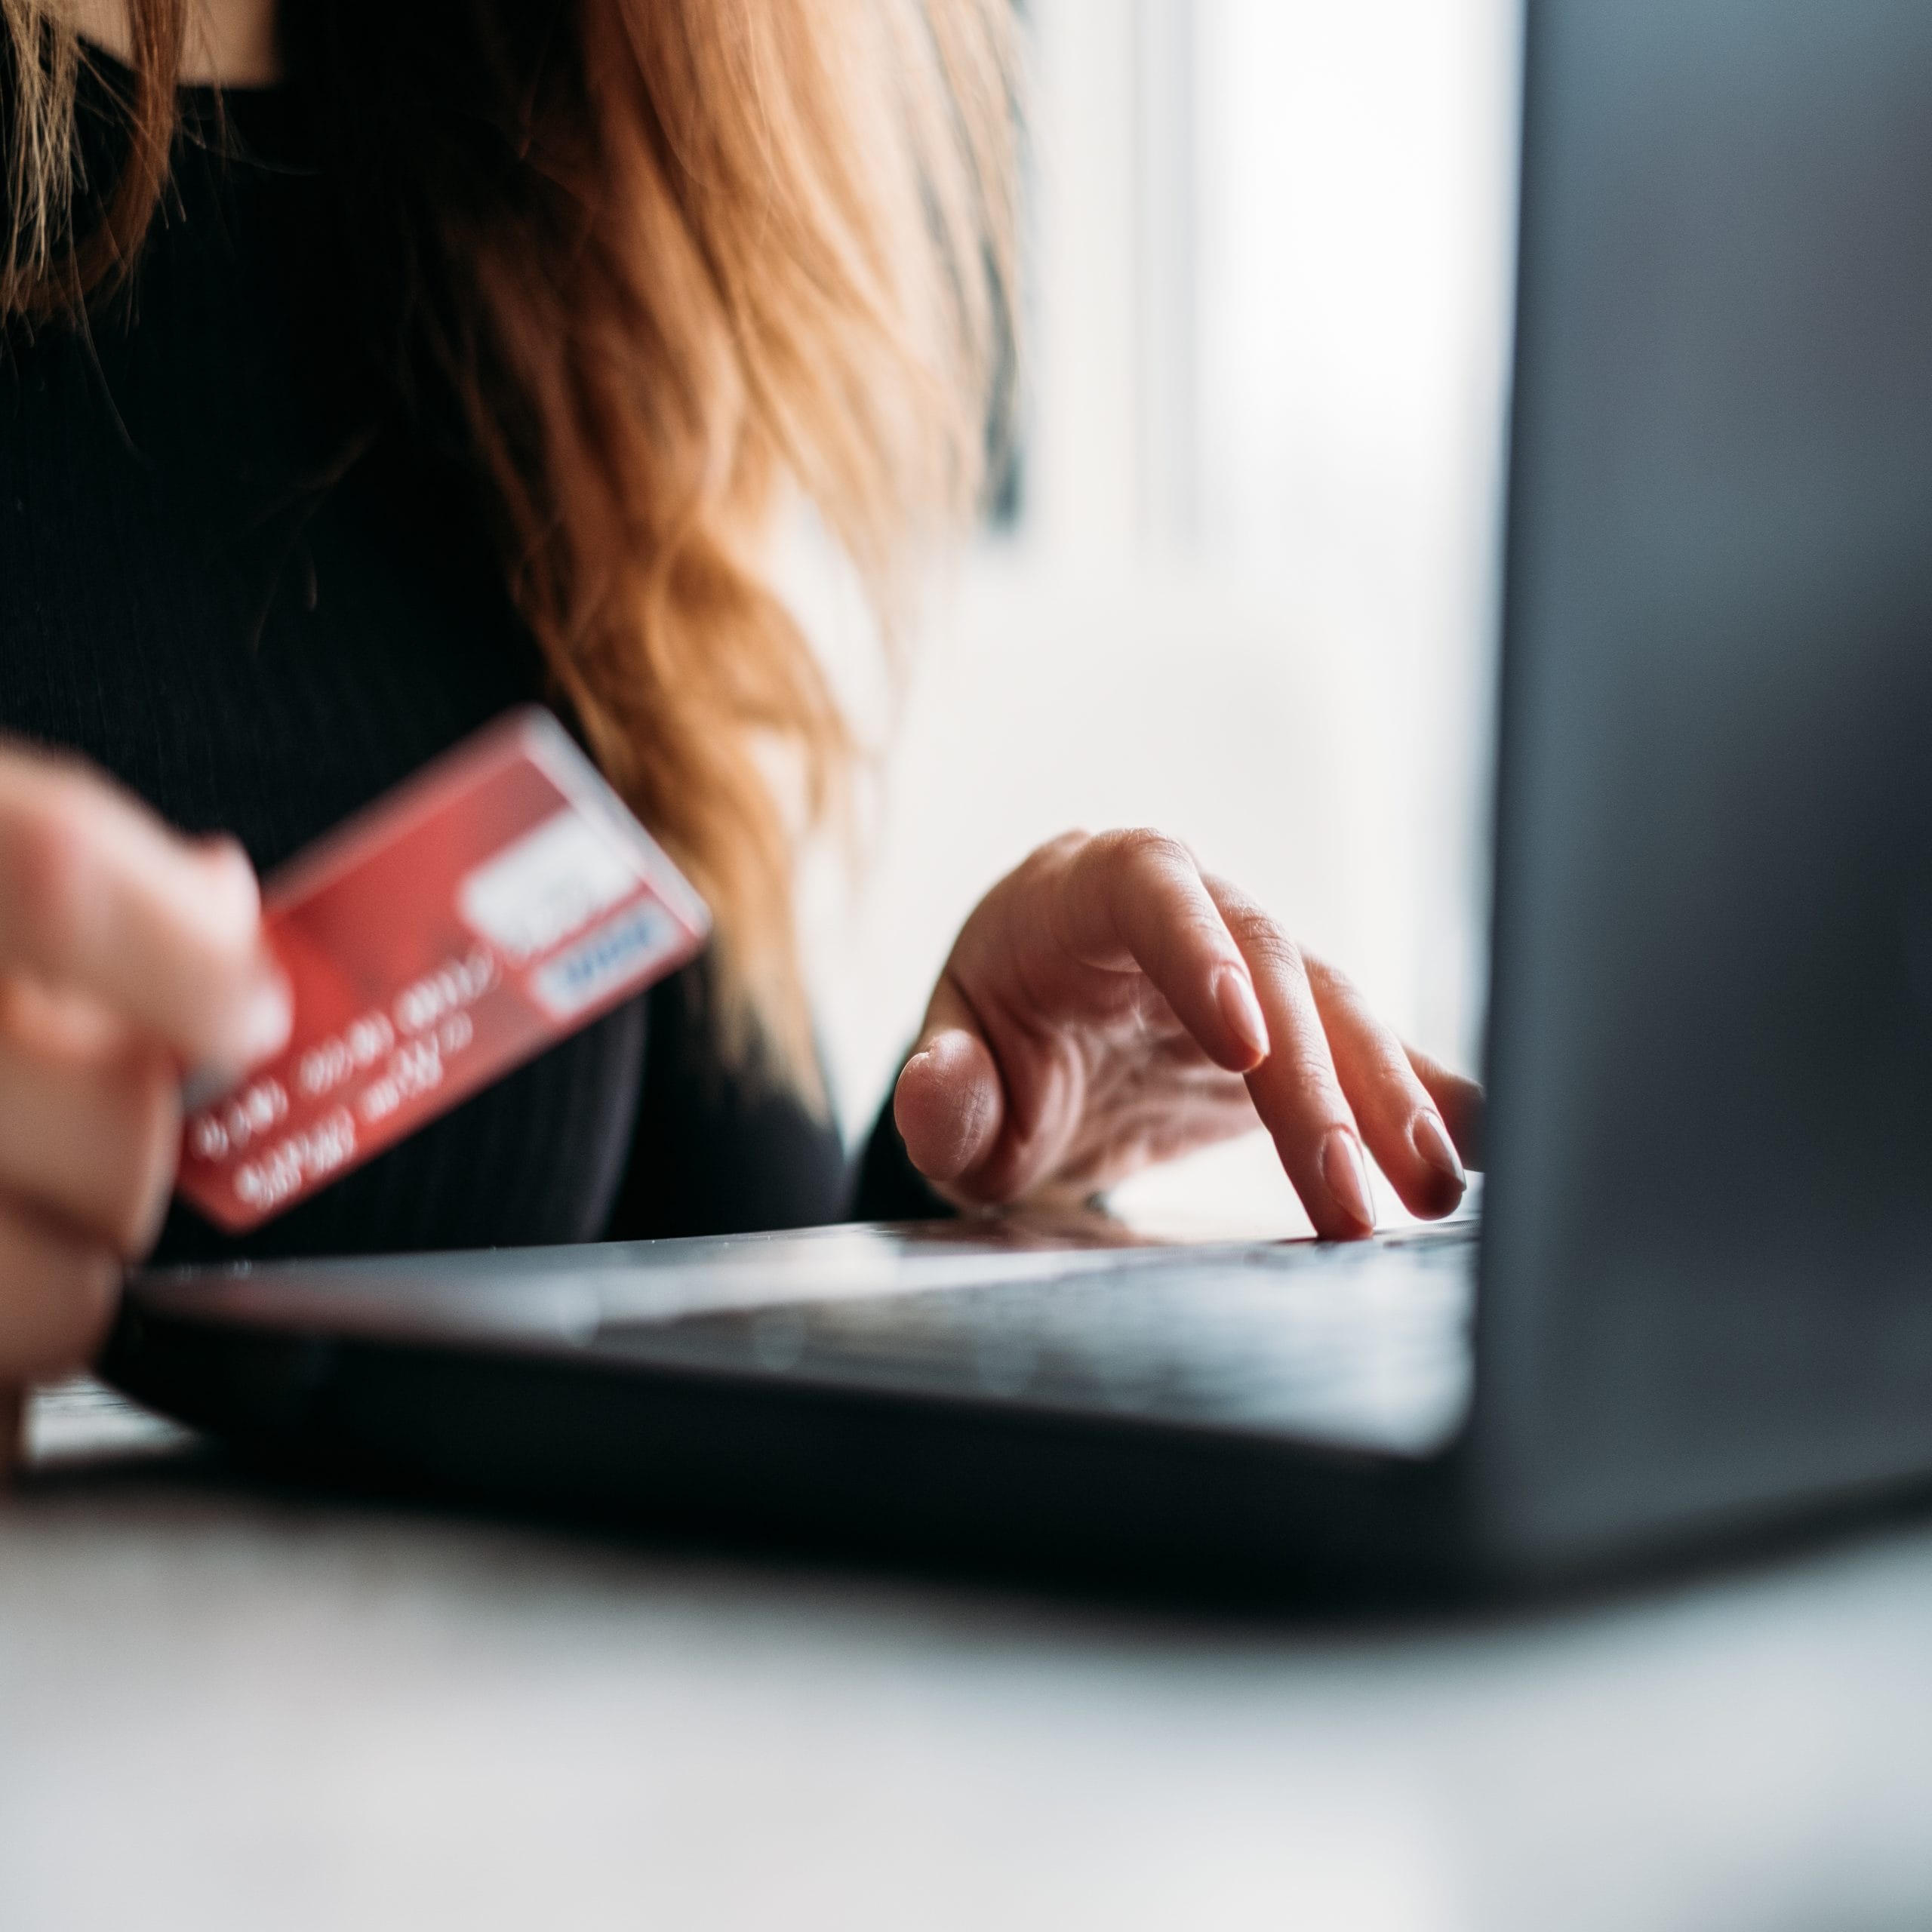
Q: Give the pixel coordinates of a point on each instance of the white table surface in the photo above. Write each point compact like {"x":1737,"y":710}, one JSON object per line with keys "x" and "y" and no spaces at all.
{"x":225,"y":1707}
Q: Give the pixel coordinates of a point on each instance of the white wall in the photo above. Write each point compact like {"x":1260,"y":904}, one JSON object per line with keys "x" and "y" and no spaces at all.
{"x":1249,"y":598}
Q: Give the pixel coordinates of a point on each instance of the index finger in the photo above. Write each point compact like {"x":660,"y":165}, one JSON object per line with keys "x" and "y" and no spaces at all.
{"x":97,"y":895}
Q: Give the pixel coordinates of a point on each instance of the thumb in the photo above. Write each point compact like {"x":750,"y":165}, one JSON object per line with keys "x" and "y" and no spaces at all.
{"x":948,"y":1104}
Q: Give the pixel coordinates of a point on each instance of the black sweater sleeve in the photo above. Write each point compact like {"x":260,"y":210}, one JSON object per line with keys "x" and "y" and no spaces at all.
{"x":723,"y":1150}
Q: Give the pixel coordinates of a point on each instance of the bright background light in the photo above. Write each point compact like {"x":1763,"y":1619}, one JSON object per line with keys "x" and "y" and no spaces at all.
{"x":1248,"y":596}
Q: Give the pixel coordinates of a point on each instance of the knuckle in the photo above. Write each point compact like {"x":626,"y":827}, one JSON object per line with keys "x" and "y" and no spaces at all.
{"x":1331,"y":979}
{"x":1146,"y":848}
{"x":1265,"y":941}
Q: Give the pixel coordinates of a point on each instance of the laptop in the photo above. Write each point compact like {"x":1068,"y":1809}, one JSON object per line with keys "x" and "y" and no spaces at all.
{"x":1700,"y":1302}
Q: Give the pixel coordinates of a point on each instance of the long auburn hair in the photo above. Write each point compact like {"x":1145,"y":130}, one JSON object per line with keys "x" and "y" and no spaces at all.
{"x":652,"y":260}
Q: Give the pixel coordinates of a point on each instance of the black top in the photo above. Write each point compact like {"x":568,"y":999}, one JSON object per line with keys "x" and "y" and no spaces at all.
{"x":225,"y":581}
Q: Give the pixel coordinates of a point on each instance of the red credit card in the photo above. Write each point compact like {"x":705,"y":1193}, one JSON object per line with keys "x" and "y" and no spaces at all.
{"x":499,"y":900}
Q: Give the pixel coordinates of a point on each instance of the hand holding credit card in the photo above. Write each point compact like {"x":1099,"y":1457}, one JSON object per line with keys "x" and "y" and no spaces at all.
{"x":496,"y":902}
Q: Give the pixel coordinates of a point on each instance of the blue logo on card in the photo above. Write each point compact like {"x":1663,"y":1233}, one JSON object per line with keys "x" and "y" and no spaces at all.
{"x":617,"y":952}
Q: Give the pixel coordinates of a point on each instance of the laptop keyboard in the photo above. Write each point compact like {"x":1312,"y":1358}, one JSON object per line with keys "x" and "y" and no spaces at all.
{"x":1365,"y":1345}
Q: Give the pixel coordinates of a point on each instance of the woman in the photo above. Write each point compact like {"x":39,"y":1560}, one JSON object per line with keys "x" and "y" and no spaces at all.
{"x":367,"y":371}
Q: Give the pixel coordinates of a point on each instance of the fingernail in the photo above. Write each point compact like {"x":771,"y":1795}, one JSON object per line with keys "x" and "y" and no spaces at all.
{"x":1242,"y":1012}
{"x":1432,"y":1142}
{"x":1346,"y":1173}
{"x":237,"y":894}
{"x":263,"y":1027}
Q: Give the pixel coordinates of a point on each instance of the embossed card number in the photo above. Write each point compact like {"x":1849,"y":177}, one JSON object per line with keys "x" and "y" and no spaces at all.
{"x":494,"y":904}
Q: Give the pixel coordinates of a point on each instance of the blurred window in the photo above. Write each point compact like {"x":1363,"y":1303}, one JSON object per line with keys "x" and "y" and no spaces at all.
{"x":1244,"y":586}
